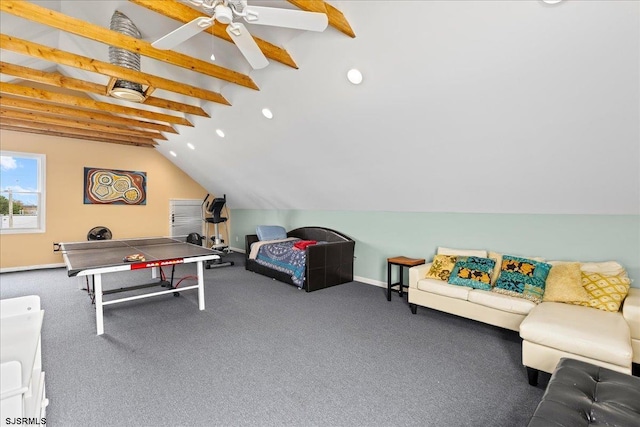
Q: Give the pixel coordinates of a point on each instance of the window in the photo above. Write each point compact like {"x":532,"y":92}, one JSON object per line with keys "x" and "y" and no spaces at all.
{"x":21,"y":192}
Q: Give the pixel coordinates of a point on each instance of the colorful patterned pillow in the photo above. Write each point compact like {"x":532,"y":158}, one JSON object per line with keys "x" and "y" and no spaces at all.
{"x":522,"y":277}
{"x":605,"y":292}
{"x":441,"y":267}
{"x":473,"y":272}
{"x":497,"y":257}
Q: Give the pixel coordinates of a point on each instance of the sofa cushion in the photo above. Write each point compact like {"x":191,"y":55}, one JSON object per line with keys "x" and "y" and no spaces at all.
{"x":462,"y":252}
{"x":497,"y":257}
{"x":631,"y":312}
{"x":605,"y":292}
{"x":564,"y":284}
{"x":501,"y":302}
{"x":606,"y":268}
{"x":522,"y":277}
{"x":596,"y":334}
{"x":443,"y":288}
{"x":441,"y":267}
{"x":474,"y":272}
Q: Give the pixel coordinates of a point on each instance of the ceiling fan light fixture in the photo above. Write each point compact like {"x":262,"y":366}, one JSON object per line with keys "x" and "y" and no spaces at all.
{"x":267,"y":113}
{"x":354,"y":76}
{"x":223,"y":14}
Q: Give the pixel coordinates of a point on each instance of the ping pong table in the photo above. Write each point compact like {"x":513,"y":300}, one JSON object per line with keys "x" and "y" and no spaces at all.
{"x":97,"y":257}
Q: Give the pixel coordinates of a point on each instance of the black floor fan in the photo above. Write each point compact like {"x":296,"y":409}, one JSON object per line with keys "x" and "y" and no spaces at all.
{"x":99,"y":233}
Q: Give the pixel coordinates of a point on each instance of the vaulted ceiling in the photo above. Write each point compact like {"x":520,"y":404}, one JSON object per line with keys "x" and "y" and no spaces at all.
{"x":40,"y":95}
{"x":465,"y":106}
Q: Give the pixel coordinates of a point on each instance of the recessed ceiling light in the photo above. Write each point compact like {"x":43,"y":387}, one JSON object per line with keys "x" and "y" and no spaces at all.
{"x":267,"y":113}
{"x":354,"y":76}
{"x":551,"y":1}
{"x":173,"y":153}
{"x":190,"y":145}
{"x":220,"y":133}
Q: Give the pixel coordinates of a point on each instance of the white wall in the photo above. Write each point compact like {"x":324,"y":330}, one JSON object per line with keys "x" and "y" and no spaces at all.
{"x":483,"y":106}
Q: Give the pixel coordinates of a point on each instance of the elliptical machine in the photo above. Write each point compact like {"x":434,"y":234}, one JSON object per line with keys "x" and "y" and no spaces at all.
{"x":214,"y":209}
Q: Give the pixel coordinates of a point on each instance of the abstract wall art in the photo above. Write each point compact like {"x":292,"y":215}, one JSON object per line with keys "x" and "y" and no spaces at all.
{"x":114,"y":187}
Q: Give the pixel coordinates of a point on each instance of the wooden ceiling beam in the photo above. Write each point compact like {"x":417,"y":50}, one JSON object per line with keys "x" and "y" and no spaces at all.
{"x":336,"y":18}
{"x":42,"y":128}
{"x":74,"y":123}
{"x":45,"y":95}
{"x":183,"y":13}
{"x":46,"y":53}
{"x":89,"y":115}
{"x":72,"y":25}
{"x":57,"y":79}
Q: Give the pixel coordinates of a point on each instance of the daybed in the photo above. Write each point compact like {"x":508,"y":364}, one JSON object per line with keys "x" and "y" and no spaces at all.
{"x":550,"y":329}
{"x":328,"y":263}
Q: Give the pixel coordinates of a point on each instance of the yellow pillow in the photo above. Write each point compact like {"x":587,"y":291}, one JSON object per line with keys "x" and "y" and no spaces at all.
{"x":605,"y":292}
{"x":564,"y":284}
{"x":441,"y":267}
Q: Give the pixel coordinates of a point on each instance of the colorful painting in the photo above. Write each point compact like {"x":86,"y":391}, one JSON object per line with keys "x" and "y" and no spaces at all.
{"x":114,"y":187}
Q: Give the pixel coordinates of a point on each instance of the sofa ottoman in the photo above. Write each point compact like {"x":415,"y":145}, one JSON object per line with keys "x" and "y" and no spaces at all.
{"x":583,"y":394}
{"x":554,"y":330}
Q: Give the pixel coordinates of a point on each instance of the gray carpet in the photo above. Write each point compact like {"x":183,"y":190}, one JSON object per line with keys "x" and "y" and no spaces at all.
{"x":265,"y":353}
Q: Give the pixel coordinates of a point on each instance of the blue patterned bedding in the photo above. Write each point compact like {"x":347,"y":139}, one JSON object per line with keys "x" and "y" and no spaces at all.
{"x":283,"y":257}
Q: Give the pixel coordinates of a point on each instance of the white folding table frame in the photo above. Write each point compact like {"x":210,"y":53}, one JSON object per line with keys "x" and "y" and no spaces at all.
{"x":97,"y":272}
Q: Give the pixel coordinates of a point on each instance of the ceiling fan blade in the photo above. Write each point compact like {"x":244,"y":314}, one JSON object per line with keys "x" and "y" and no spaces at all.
{"x":288,"y":18}
{"x":247,"y":45}
{"x":181,"y":34}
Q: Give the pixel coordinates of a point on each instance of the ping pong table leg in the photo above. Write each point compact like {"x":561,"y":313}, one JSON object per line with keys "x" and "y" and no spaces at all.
{"x":200,"y":284}
{"x":97,"y":282}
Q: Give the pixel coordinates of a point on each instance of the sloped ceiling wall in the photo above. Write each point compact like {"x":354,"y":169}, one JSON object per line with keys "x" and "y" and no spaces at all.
{"x":484,"y":106}
{"x":465,"y":107}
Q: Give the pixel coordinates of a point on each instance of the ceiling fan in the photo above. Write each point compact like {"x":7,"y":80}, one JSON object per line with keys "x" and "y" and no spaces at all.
{"x":224,"y":11}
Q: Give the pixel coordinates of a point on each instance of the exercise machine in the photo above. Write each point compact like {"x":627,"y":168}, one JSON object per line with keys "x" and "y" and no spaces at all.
{"x":214,"y":209}
{"x":212,"y":214}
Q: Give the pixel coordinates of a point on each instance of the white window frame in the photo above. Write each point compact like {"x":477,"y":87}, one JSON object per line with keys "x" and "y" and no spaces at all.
{"x":41,"y":190}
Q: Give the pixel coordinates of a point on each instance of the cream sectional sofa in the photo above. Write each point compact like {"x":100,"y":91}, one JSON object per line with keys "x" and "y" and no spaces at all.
{"x":549,"y":330}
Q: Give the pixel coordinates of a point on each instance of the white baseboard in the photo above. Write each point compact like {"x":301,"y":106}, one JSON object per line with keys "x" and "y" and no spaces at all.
{"x":30,"y":267}
{"x":237,"y":249}
{"x":370,"y":281}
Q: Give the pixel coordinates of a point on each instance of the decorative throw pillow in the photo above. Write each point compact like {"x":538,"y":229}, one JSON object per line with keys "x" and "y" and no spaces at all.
{"x":270,"y":232}
{"x":522,"y":277}
{"x":441,"y":267}
{"x":605,"y":292}
{"x":497,"y":257}
{"x":474,"y":272}
{"x":564,"y":284}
